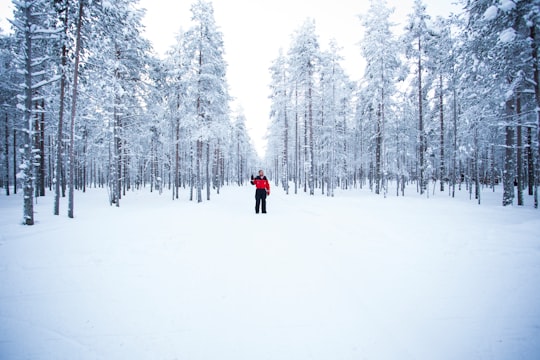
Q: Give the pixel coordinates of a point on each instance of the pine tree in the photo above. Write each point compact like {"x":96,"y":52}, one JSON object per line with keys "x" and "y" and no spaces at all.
{"x":32,"y":32}
{"x":379,"y":48}
{"x":280,"y":114}
{"x":416,"y":38}
{"x":304,"y":57}
{"x":207,"y":82}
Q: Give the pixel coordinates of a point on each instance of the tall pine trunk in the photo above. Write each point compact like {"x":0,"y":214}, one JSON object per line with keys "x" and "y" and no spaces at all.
{"x":198,"y":170}
{"x":442,"y":174}
{"x":519,"y":153}
{"x":536,"y":77}
{"x":42,"y":170}
{"x":208,"y":180}
{"x":177,"y":158}
{"x":14,"y":161}
{"x":530,"y":161}
{"x":421,"y":140}
{"x":27,"y":160}
{"x":73,"y":114}
{"x":296,"y":144}
{"x":508,"y":174}
{"x":6,"y":149}
{"x":378,"y":149}
{"x":285,"y":159}
{"x":311,"y":144}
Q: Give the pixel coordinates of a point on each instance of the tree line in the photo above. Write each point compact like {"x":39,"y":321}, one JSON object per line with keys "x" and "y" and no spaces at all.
{"x":85,"y":103}
{"x":449,"y":103}
{"x":452,"y":102}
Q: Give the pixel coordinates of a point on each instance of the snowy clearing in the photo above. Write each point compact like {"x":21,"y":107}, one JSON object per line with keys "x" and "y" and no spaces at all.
{"x":356,"y":276}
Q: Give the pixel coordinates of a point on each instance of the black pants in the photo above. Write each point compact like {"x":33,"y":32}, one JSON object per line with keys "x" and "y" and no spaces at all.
{"x":260,"y":199}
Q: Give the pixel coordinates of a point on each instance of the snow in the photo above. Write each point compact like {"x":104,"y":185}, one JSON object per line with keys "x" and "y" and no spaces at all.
{"x":491,"y":13}
{"x":357,"y":276}
{"x":507,"y":5}
{"x":507,"y":35}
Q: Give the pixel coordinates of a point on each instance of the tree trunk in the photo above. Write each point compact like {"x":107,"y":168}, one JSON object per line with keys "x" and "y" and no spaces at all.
{"x":378,"y":150}
{"x":60,"y":134}
{"x":198,"y":169}
{"x":177,"y":159}
{"x":508,"y":175}
{"x":74,"y":113}
{"x":455,"y":149}
{"x":519,"y":151}
{"x":536,"y":77}
{"x":530,"y":162}
{"x":27,"y":161}
{"x":442,"y":174}
{"x":208,"y":179}
{"x":285,"y":159}
{"x":421,"y":141}
{"x":6,"y":149}
{"x":43,"y":173}
{"x":296,"y":145}
{"x":311,"y":144}
{"x":36,"y":152}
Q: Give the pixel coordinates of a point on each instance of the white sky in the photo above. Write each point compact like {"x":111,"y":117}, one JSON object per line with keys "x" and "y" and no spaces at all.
{"x":254,"y":31}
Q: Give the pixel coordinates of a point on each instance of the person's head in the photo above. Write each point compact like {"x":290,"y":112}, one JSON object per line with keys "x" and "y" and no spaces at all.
{"x":261,"y":173}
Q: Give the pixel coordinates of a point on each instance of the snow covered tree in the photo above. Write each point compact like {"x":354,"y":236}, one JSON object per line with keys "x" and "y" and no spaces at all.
{"x":280,"y":114}
{"x":208,"y":86}
{"x":8,"y":110}
{"x":335,"y":115}
{"x":242,"y":150}
{"x":380,"y":50}
{"x":31,"y":28}
{"x":417,"y":38}
{"x":175,"y":94}
{"x":500,"y":38}
{"x":304,"y":57}
{"x":121,"y":52}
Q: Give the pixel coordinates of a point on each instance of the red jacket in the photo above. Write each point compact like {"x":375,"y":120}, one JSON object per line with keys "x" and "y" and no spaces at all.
{"x":261,"y":183}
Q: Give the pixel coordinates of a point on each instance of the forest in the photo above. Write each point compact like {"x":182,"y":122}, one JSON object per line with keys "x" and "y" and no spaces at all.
{"x":451,"y":104}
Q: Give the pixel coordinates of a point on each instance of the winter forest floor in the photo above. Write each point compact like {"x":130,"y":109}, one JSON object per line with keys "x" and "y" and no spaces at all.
{"x":357,"y":276}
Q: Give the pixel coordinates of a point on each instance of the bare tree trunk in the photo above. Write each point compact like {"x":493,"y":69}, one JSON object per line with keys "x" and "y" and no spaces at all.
{"x":14,"y":161}
{"x":296,"y":145}
{"x":60,"y":133}
{"x":311,"y":145}
{"x":508,"y":175}
{"x":475,"y":169}
{"x":198,"y":169}
{"x":285,"y":159}
{"x":536,"y":76}
{"x":208,"y":180}
{"x":305,"y":162}
{"x":378,"y":150}
{"x":530,"y":162}
{"x":42,"y":171}
{"x":177,"y":159}
{"x":74,"y":113}
{"x":36,"y":154}
{"x":519,"y":150}
{"x":27,"y":161}
{"x":442,"y":168}
{"x":421,"y":141}
{"x":6,"y":148}
{"x":85,"y":158}
{"x":454,"y":155}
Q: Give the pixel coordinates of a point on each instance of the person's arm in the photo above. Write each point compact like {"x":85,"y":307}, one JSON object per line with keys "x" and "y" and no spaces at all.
{"x":267,"y":187}
{"x":252,"y":182}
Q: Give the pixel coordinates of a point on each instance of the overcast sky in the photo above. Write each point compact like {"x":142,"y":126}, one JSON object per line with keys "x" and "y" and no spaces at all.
{"x":254,"y":31}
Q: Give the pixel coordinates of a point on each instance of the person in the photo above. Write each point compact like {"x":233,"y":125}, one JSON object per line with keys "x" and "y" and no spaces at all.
{"x":262,"y":190}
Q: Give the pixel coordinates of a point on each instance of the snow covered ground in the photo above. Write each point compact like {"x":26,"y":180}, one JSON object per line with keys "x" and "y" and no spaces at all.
{"x":356,"y":276}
